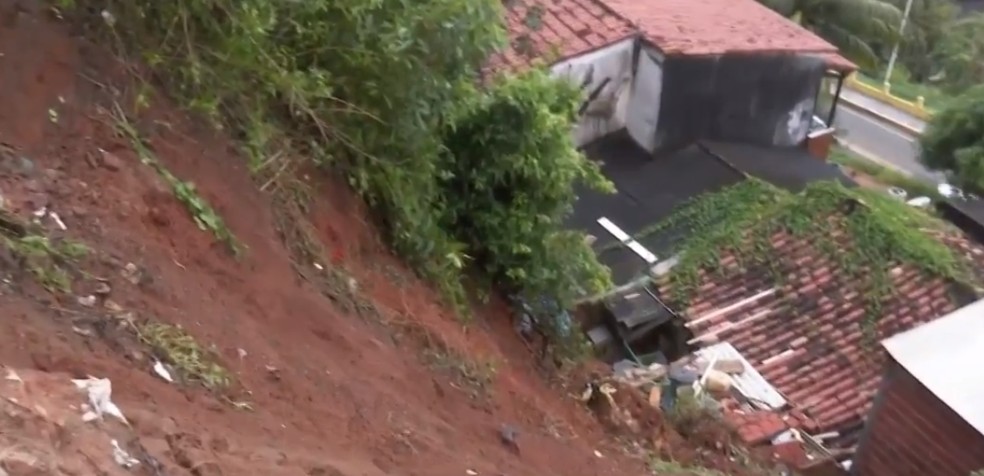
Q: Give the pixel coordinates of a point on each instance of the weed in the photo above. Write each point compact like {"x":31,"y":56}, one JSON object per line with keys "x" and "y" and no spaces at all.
{"x":476,"y":376}
{"x":47,"y":260}
{"x":176,"y":347}
{"x":202,"y":213}
{"x":881,"y":174}
{"x":661,"y":467}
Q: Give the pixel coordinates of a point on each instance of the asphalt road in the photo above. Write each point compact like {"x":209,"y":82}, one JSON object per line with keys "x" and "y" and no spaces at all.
{"x":880,"y":141}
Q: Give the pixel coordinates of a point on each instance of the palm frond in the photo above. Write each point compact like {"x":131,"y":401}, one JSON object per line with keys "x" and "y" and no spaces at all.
{"x":850,"y":44}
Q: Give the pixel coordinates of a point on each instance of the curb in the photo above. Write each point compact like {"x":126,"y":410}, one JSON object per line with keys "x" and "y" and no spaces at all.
{"x":881,"y":117}
{"x":912,"y":108}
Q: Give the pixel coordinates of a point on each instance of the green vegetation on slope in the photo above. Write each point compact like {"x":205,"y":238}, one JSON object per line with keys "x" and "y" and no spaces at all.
{"x":387,"y":92}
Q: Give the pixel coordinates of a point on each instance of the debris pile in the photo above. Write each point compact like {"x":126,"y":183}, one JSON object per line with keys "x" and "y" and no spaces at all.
{"x":719,"y":404}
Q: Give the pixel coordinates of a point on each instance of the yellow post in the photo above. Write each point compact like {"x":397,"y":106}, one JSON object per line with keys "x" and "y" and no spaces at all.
{"x":921,"y":103}
{"x":886,"y":88}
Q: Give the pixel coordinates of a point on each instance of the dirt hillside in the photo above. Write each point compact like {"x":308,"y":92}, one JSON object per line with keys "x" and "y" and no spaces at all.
{"x":356,"y":371}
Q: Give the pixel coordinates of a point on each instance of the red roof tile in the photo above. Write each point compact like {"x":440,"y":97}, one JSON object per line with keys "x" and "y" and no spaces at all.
{"x":712,"y":27}
{"x":808,"y":338}
{"x":558,"y":29}
{"x":756,"y":427}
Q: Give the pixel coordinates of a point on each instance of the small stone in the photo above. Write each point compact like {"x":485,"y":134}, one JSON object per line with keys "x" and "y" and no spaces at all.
{"x":112,"y":307}
{"x":87,"y":301}
{"x":103,"y":289}
{"x":110,"y":161}
{"x":131,"y":273}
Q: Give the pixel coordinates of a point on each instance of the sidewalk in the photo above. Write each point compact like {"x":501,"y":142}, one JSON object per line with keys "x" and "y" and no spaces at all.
{"x":881,"y":109}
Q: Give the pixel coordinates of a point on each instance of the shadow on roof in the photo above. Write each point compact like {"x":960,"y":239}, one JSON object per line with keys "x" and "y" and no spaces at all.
{"x":650,"y":187}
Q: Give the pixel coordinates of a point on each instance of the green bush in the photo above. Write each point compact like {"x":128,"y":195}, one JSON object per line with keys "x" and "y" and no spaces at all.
{"x":385,"y":90}
{"x":509,"y":174}
{"x":954,"y":140}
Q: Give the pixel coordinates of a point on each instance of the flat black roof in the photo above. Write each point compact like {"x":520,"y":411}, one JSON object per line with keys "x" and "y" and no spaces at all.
{"x":650,"y":187}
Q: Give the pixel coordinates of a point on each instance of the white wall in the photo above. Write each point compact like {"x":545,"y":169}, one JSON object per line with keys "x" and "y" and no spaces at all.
{"x":794,"y":129}
{"x":608,"y":112}
{"x":647,"y":89}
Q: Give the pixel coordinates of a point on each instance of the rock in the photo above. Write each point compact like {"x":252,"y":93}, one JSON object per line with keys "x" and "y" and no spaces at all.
{"x":717,"y":381}
{"x":131,"y":273}
{"x":655,"y":395}
{"x":207,"y":468}
{"x":112,"y":307}
{"x":103,"y":289}
{"x":87,"y":301}
{"x":110,"y":161}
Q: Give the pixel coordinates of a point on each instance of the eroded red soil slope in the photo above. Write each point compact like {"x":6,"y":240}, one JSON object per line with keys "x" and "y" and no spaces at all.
{"x":331,"y":392}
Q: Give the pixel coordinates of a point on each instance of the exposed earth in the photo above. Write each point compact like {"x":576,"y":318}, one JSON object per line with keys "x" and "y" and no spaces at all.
{"x":357,"y":370}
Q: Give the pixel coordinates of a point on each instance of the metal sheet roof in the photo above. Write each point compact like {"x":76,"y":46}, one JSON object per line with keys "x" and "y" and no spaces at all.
{"x":944,"y":355}
{"x":750,"y":382}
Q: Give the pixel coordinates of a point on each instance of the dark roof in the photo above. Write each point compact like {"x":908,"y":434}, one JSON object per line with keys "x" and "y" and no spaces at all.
{"x":650,"y":188}
{"x":972,"y":208}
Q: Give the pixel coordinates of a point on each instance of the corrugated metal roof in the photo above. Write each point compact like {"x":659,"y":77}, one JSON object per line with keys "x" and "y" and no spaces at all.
{"x":944,"y":355}
{"x":750,"y":382}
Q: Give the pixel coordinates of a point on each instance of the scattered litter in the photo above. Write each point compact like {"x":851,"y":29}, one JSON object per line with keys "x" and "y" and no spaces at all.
{"x":241,"y":352}
{"x":471,"y":473}
{"x":162,"y":372}
{"x":318,"y":267}
{"x":100,"y":391}
{"x":13,"y":377}
{"x":122,"y":457}
{"x":53,"y":115}
{"x":598,"y":454}
{"x":58,"y":221}
{"x":82,"y":332}
{"x":87,"y":301}
{"x":41,"y":212}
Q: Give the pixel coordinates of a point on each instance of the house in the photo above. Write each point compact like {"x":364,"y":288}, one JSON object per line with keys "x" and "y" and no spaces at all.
{"x":805,"y":310}
{"x":928,"y":415}
{"x":649,"y":188}
{"x":674,"y":71}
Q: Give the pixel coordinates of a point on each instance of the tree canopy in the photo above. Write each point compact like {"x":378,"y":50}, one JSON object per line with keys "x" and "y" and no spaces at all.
{"x":857,"y":27}
{"x":961,"y":53}
{"x":954,"y":140}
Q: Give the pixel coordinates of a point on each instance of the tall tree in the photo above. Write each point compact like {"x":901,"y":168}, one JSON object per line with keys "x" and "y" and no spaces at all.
{"x":929,"y":21}
{"x":954,"y":140}
{"x":961,"y":53}
{"x":857,"y":27}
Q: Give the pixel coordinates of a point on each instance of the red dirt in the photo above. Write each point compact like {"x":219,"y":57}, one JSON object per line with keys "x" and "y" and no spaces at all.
{"x":347,"y":399}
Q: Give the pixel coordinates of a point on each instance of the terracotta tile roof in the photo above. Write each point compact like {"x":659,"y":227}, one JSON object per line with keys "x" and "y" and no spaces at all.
{"x":561,"y":29}
{"x":806,"y":332}
{"x":756,"y":427}
{"x":712,"y":27}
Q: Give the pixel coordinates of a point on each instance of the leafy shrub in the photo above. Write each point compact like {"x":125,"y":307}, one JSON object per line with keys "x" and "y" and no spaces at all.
{"x":954,"y":140}
{"x":385,"y":90}
{"x":510,"y":168}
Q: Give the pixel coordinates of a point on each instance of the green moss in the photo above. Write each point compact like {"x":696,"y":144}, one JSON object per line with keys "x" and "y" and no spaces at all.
{"x":878,"y":233}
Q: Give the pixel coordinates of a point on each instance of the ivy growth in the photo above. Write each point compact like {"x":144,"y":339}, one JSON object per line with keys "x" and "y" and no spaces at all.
{"x":865,"y":232}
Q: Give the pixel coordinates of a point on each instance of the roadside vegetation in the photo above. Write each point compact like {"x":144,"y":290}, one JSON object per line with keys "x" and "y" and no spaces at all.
{"x":881,"y":174}
{"x":464,"y":173}
{"x":941,"y":49}
{"x":954,"y":141}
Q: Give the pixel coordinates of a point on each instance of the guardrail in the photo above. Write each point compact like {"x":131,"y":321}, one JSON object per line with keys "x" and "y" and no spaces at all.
{"x":884,"y":94}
